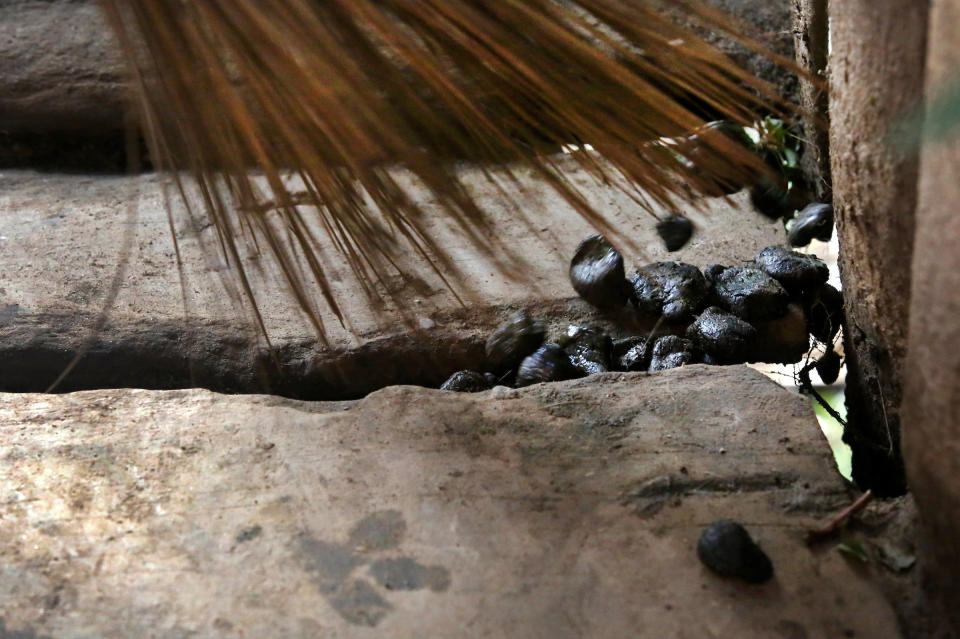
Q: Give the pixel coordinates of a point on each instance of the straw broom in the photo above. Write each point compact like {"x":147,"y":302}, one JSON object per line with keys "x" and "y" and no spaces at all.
{"x":243,"y":95}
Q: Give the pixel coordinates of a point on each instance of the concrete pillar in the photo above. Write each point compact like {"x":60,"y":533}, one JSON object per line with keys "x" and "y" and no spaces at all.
{"x":876,"y":77}
{"x":811,"y":33}
{"x":931,"y":401}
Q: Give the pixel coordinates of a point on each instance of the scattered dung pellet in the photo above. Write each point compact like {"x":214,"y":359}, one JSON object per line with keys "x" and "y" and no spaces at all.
{"x":466,"y":382}
{"x":549,"y":363}
{"x":671,"y":351}
{"x":751,"y":294}
{"x":797,"y":272}
{"x":597,"y":275}
{"x":724,"y":337}
{"x":513,"y":340}
{"x":825,"y":313}
{"x":672,"y":289}
{"x":771,"y":199}
{"x":725,"y":547}
{"x":713,"y":272}
{"x":632,"y":353}
{"x":675,"y":231}
{"x":828,"y":367}
{"x":589,"y":349}
{"x":784,"y":340}
{"x":813,"y":222}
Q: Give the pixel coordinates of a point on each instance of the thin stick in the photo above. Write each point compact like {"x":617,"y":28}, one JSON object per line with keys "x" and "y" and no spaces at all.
{"x":839,"y":520}
{"x":806,"y":386}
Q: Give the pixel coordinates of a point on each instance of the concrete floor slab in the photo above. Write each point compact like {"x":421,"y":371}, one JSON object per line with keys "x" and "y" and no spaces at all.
{"x":561,"y":510}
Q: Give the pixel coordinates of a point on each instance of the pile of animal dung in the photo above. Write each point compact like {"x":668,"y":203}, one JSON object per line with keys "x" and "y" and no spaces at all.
{"x":764,"y":311}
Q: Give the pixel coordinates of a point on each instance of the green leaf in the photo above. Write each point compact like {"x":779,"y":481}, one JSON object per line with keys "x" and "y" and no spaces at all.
{"x":790,"y":157}
{"x":854,"y":549}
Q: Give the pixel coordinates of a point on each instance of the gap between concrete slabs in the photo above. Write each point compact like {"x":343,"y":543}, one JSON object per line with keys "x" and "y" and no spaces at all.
{"x":61,"y":241}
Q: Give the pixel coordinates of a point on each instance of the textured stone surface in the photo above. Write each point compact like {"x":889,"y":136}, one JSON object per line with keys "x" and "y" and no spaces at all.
{"x":63,"y":237}
{"x":564,"y":510}
{"x":811,"y":38}
{"x":931,"y":398}
{"x":878,"y":51}
{"x":59,"y":67}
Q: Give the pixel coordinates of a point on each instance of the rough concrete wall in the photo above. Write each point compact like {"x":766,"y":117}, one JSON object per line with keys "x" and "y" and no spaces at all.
{"x":59,"y":67}
{"x":811,"y":33}
{"x":769,"y":23}
{"x":877,"y":60}
{"x":931,"y":403}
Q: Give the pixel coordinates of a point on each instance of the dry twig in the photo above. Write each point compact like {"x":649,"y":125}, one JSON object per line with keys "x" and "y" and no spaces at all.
{"x":839,"y":520}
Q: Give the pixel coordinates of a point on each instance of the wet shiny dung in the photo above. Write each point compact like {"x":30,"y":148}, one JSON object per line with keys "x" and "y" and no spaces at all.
{"x":672,"y":289}
{"x":466,"y":382}
{"x":632,"y":353}
{"x":813,"y":222}
{"x":796,"y":271}
{"x":549,"y":363}
{"x":597,"y":274}
{"x":589,"y":349}
{"x":751,"y":294}
{"x":513,"y":340}
{"x":671,"y":351}
{"x":726,"y":338}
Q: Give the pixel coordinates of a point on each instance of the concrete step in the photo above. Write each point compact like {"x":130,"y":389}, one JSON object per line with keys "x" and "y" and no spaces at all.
{"x":561,"y":510}
{"x":63,"y":238}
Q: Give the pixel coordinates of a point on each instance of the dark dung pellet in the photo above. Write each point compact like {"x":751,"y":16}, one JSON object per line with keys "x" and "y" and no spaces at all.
{"x":797,"y":272}
{"x":828,"y":367}
{"x":723,"y":336}
{"x":825,"y":313}
{"x":751,"y":294}
{"x":597,"y":275}
{"x":549,"y":363}
{"x":672,"y":289}
{"x":589,"y":349}
{"x":513,"y":340}
{"x":671,"y":351}
{"x":675,"y":231}
{"x":771,"y":199}
{"x":813,"y":222}
{"x":466,"y":382}
{"x":632,"y":353}
{"x":726,"y":548}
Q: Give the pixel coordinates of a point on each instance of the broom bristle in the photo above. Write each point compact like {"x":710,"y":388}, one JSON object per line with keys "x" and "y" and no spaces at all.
{"x":246,"y":95}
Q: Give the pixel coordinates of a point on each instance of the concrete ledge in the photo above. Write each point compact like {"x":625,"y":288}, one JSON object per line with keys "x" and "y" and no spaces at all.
{"x":562,"y":510}
{"x":63,"y":237}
